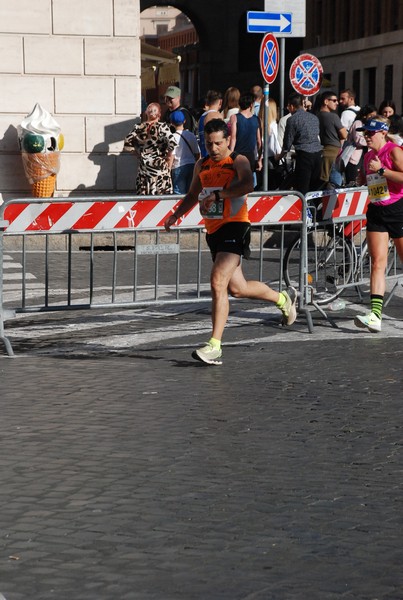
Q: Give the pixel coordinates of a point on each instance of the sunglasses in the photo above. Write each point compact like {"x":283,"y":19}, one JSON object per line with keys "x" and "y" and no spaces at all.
{"x":332,"y":99}
{"x":370,"y":133}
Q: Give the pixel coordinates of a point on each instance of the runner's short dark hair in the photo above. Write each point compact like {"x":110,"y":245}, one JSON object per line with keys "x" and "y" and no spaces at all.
{"x":215,"y":126}
{"x":213,"y":96}
{"x":295,"y":100}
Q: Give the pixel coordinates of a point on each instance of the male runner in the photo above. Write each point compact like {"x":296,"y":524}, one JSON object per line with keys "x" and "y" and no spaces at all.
{"x":220,"y":183}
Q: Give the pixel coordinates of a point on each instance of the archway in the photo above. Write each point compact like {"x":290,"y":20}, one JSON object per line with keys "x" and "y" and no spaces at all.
{"x":220,"y":46}
{"x":171,"y":31}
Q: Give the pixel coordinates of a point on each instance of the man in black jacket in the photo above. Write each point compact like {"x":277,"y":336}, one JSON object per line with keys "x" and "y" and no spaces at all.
{"x":302,"y":132}
{"x":172,"y":99}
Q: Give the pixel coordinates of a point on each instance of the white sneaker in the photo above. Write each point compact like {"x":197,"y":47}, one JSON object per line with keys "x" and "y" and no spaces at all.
{"x":371,"y":322}
{"x":289,"y":309}
{"x":208,"y":354}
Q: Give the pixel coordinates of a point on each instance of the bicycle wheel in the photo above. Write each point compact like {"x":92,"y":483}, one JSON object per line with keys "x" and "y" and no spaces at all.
{"x":330,"y":264}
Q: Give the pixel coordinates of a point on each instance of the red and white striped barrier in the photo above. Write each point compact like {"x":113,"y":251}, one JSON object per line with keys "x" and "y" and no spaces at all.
{"x":349,"y":202}
{"x":62,"y":216}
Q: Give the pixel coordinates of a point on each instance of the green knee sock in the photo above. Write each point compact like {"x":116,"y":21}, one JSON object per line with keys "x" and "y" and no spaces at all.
{"x":376,"y":305}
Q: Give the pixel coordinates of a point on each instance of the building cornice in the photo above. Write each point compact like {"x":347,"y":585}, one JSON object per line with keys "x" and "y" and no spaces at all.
{"x":359,"y":45}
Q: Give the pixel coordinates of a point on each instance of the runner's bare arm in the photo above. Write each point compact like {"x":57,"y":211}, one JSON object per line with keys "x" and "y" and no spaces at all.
{"x":244,"y":181}
{"x":242,"y":185}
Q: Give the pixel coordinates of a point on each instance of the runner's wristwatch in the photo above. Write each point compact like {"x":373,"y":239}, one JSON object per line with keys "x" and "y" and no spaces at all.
{"x":381,"y":171}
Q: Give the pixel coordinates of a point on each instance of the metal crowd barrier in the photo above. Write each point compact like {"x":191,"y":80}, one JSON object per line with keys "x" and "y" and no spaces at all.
{"x":116,"y":253}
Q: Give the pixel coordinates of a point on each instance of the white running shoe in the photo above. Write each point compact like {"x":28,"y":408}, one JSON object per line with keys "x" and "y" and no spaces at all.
{"x":208,"y":354}
{"x":288,"y":309}
{"x":370,"y":322}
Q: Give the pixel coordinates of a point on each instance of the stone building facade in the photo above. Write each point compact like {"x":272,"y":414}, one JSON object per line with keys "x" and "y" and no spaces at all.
{"x":360,"y":45}
{"x":81,"y":62}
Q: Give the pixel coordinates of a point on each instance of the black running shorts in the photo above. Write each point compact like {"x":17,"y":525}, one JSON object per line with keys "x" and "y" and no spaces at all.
{"x":386,"y":218}
{"x":232,"y":237}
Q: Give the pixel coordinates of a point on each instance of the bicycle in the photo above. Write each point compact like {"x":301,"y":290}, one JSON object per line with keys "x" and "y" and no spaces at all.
{"x":335,"y":259}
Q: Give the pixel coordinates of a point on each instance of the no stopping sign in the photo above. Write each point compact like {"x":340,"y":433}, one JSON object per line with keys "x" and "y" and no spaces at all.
{"x":306,"y":74}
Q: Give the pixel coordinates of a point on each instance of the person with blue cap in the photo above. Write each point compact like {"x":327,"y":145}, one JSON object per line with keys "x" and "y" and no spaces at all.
{"x":185,"y":154}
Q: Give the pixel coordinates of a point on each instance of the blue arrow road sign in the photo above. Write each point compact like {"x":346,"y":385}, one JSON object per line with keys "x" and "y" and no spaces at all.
{"x":263,"y":22}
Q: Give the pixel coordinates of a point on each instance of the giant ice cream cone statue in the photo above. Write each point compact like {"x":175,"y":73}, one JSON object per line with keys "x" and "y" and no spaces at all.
{"x":41,"y":141}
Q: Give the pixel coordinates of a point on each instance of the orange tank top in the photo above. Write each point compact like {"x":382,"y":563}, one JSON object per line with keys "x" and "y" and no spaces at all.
{"x":218,"y":176}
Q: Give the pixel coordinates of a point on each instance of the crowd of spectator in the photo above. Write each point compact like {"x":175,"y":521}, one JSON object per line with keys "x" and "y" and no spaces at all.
{"x":320,"y":137}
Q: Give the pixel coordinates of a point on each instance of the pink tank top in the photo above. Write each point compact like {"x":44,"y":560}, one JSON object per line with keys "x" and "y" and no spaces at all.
{"x":382,"y":190}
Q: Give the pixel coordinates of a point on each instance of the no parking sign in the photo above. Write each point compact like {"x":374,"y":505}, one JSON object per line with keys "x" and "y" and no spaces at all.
{"x":269,"y":57}
{"x":306,"y":74}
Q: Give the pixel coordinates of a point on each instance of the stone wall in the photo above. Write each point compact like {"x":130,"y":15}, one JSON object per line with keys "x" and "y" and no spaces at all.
{"x":81,"y":61}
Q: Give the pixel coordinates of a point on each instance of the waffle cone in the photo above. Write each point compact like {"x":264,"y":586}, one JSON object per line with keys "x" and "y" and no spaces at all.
{"x":40,"y":166}
{"x":44,"y":188}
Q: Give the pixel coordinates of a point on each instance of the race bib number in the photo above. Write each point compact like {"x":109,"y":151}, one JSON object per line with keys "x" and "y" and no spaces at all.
{"x":216,"y":210}
{"x":378,"y":190}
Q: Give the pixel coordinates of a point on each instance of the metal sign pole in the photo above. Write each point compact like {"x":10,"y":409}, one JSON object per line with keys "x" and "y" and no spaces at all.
{"x":266,"y":138}
{"x":282,"y":75}
{"x":269,"y":64}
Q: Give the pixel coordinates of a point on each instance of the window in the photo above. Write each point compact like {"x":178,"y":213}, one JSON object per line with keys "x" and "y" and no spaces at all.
{"x":161,"y":29}
{"x":370,"y":84}
{"x":360,"y":22}
{"x":357,"y":85}
{"x":378,"y":17}
{"x":388,"y":89}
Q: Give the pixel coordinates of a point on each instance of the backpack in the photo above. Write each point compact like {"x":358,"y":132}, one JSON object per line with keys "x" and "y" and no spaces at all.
{"x":193,"y":122}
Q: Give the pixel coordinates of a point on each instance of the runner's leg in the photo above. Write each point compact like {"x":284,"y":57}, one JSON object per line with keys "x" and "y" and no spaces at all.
{"x":224,"y":266}
{"x":378,"y":250}
{"x":239,"y":287}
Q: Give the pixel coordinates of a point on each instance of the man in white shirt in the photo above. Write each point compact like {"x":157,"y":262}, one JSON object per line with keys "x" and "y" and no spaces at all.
{"x":258,"y":96}
{"x":213,"y":102}
{"x":348,"y":106}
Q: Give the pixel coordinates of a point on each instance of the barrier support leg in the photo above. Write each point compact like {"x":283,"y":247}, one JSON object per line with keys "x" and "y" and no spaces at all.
{"x":7,"y":345}
{"x":324,"y":314}
{"x":392,"y":291}
{"x":307,"y":313}
{"x":3,"y":338}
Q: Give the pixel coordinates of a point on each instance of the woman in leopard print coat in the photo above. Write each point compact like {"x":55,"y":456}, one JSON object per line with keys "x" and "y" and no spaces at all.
{"x":152,"y":142}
